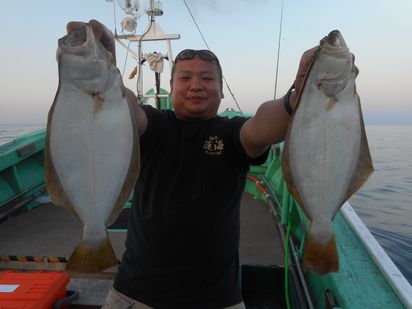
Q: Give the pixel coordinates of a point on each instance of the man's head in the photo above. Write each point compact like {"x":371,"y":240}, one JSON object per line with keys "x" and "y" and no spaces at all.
{"x":196,"y":84}
{"x":204,"y":54}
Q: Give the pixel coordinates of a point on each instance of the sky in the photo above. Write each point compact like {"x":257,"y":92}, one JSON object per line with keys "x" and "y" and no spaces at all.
{"x":244,"y":34}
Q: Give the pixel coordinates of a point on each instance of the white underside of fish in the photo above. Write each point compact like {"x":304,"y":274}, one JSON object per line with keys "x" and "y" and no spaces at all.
{"x":324,"y":146}
{"x":326,"y":157}
{"x":91,"y":151}
{"x":92,"y":146}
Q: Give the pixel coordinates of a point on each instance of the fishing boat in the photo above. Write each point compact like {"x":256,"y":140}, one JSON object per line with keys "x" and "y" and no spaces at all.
{"x":37,"y":235}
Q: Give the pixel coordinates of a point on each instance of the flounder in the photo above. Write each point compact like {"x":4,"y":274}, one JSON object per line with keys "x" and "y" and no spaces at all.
{"x":326,"y":157}
{"x":92,"y":156}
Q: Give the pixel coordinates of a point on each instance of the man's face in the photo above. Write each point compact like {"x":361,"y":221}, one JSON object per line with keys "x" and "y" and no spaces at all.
{"x":196,"y":89}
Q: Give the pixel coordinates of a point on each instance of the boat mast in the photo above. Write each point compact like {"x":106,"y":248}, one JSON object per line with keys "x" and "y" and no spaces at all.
{"x":152,"y":32}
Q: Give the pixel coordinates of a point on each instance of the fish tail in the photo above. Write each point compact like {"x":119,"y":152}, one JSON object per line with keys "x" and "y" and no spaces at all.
{"x":92,"y":259}
{"x":321,"y":254}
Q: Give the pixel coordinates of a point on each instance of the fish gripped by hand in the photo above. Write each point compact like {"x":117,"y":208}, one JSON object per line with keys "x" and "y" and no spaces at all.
{"x":92,"y":146}
{"x":326,"y":157}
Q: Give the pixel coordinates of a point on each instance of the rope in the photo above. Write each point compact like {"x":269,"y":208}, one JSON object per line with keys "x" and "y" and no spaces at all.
{"x":287,"y":296}
{"x":262,"y":189}
{"x":259,"y":185}
{"x":204,"y":40}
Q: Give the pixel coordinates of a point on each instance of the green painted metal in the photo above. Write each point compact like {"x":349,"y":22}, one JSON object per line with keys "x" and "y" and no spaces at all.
{"x":165,"y":103}
{"x":22,"y":170}
{"x":22,"y":167}
{"x":359,"y":282}
{"x":230,"y":113}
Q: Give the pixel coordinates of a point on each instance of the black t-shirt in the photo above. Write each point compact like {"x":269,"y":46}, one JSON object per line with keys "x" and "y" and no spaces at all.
{"x":183,"y":234}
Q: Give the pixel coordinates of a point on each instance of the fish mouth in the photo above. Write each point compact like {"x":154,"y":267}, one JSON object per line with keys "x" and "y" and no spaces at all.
{"x":86,"y":58}
{"x":87,"y":63}
{"x":77,"y":37}
{"x":81,"y":42}
{"x":78,"y":41}
{"x":334,"y":43}
{"x":335,"y":38}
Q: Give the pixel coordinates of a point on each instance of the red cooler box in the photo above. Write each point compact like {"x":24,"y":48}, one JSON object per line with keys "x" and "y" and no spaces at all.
{"x":31,"y":290}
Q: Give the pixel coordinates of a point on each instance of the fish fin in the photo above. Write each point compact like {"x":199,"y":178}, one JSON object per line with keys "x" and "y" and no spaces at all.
{"x":305,"y":76}
{"x":92,"y":259}
{"x":287,"y":174}
{"x":133,"y":172}
{"x":53,"y":183}
{"x":286,"y":171}
{"x":321,"y":256}
{"x":364,"y":166}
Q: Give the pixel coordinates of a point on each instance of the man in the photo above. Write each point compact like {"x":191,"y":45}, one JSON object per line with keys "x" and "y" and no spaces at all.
{"x":183,"y":234}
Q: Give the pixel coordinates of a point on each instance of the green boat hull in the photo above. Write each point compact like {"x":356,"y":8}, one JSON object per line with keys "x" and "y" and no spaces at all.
{"x":22,"y":172}
{"x":359,"y":283}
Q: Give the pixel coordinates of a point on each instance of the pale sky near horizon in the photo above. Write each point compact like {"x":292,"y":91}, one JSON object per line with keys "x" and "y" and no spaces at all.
{"x":244,"y":34}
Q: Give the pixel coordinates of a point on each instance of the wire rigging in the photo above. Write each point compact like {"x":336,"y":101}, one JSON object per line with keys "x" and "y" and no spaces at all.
{"x":277,"y":60}
{"x":125,"y":59}
{"x":140,"y":56}
{"x":204,"y":40}
{"x":114,"y":17}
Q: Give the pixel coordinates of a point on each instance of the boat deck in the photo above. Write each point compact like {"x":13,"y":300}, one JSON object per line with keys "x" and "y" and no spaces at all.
{"x":50,"y":231}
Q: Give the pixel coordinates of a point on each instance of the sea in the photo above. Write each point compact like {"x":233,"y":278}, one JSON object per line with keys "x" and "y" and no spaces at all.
{"x":384,"y":203}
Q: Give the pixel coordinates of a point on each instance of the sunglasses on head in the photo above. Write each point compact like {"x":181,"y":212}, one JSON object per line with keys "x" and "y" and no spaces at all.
{"x":189,"y":54}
